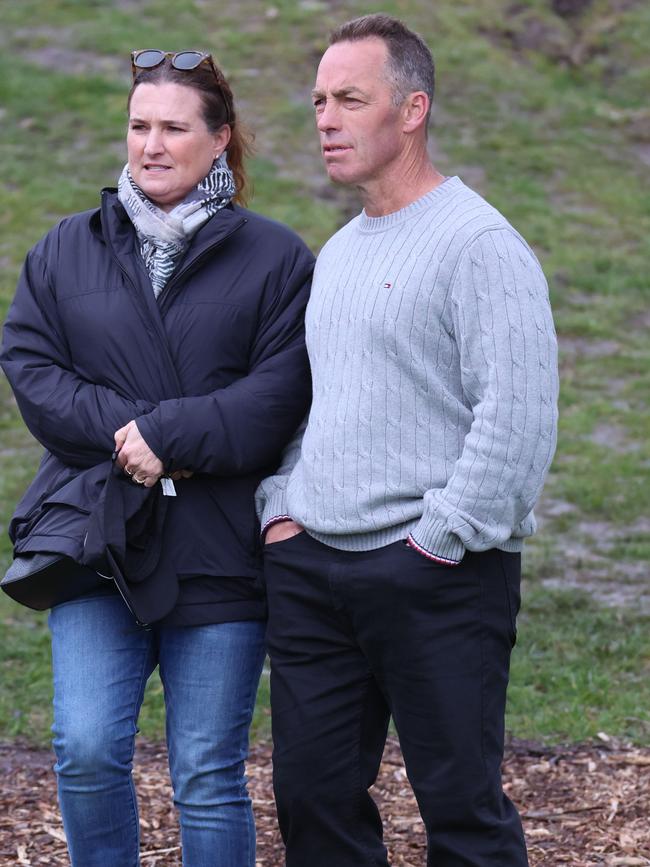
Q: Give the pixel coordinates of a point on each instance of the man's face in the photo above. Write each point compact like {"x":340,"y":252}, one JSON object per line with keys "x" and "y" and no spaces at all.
{"x":359,"y":125}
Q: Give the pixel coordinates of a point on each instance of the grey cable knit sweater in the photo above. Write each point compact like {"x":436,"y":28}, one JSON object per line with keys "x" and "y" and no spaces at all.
{"x":434,"y":363}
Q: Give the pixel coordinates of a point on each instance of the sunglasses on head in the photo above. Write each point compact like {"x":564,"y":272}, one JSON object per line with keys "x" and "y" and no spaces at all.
{"x":185,"y":61}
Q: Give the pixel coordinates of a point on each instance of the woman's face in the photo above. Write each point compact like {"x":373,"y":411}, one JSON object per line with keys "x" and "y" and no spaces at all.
{"x":170,"y":148}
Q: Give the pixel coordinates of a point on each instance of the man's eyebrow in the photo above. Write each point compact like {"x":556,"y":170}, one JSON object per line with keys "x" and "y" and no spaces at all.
{"x":341,"y":92}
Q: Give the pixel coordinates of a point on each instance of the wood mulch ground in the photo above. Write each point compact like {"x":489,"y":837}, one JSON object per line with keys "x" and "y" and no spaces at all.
{"x":582,"y":805}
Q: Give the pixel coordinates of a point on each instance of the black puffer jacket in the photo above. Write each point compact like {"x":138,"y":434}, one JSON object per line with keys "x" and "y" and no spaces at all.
{"x":215,"y":372}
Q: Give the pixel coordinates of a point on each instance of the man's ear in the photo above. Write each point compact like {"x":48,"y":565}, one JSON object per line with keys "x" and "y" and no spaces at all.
{"x":416,"y":106}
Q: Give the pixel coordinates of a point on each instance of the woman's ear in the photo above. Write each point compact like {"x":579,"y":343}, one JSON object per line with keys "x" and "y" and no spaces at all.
{"x":221,"y":139}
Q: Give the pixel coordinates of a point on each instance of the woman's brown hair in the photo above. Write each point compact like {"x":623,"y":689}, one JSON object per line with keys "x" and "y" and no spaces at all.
{"x":218,"y":109}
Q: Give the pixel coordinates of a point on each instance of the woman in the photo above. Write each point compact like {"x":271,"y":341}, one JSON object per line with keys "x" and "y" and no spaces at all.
{"x":166,"y":328}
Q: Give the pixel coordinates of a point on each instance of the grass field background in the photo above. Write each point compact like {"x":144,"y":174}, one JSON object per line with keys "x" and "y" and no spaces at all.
{"x":542,"y":107}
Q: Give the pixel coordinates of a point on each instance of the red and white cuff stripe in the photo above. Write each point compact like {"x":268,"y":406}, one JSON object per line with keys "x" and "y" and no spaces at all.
{"x":413,"y":544}
{"x":276,"y":519}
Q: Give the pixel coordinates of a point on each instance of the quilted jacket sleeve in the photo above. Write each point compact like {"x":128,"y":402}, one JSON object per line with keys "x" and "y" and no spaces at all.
{"x":73,"y":418}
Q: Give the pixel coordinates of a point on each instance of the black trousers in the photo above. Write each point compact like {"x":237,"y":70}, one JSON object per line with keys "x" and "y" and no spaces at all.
{"x":357,"y":637}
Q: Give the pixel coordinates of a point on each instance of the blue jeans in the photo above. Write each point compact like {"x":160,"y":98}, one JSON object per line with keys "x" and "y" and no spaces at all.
{"x":101,"y":663}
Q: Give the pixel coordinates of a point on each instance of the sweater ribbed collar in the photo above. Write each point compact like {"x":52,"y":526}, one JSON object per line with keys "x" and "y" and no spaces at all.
{"x":379,"y":224}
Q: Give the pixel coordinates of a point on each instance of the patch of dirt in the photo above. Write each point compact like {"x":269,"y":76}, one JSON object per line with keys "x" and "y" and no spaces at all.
{"x":614,"y":585}
{"x":52,"y":48}
{"x":585,"y":805}
{"x":612,"y":592}
{"x":586,"y":562}
{"x":570,"y":32}
{"x":613,"y":436}
{"x":586,"y":347}
{"x":570,"y":8}
{"x":75,"y":62}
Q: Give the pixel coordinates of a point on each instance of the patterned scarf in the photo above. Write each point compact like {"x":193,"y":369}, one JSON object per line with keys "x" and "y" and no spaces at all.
{"x":164,"y":237}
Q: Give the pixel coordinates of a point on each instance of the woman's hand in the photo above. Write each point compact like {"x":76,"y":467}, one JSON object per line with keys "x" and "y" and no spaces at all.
{"x":135,"y":457}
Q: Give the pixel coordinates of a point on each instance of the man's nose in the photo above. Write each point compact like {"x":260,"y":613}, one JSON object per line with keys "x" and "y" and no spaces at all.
{"x":328,"y":117}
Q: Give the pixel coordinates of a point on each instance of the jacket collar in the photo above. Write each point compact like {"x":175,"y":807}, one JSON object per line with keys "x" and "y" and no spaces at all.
{"x":111,"y":224}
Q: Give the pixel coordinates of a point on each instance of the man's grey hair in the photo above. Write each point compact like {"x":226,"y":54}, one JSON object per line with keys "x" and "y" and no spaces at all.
{"x":410,"y":65}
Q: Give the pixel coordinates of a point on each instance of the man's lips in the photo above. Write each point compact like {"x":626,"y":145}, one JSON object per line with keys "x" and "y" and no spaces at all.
{"x":330,"y":150}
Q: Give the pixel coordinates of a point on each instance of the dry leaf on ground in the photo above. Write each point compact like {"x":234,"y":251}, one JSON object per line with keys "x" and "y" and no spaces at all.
{"x":585,"y":806}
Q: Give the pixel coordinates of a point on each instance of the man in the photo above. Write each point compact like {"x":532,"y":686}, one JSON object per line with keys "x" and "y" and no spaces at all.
{"x":432,"y":427}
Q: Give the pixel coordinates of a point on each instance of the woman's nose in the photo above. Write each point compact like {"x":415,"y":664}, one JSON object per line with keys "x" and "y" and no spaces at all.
{"x":153,"y":144}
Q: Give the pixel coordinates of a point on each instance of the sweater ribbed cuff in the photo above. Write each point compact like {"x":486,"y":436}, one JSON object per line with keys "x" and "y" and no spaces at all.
{"x":437,"y":541}
{"x":413,"y":544}
{"x":275,"y":510}
{"x":280,"y":519}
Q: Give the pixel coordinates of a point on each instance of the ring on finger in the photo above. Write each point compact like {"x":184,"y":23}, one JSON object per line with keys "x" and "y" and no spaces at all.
{"x":128,"y":471}
{"x":139,"y":481}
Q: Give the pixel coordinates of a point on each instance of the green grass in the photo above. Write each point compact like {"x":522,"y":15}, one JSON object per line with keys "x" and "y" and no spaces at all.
{"x":25,"y":674}
{"x":554,"y":130}
{"x":579,"y":669}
